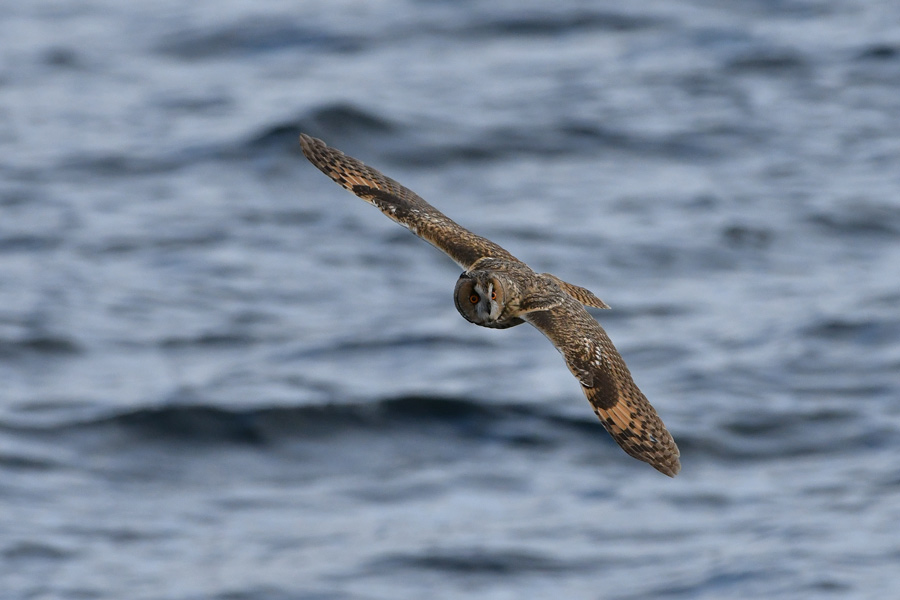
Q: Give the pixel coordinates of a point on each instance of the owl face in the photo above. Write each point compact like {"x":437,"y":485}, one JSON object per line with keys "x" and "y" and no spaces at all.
{"x":480,"y":298}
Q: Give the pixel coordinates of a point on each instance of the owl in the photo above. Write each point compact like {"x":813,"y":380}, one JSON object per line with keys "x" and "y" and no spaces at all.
{"x":497,"y":290}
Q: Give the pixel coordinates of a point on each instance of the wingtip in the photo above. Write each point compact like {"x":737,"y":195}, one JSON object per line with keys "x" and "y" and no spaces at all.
{"x":668,"y":463}
{"x":315,"y":150}
{"x":307,"y":142}
{"x":670,"y":469}
{"x":638,"y":430}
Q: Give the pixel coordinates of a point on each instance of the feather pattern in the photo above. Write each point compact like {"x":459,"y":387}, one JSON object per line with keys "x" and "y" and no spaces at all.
{"x":607,"y":383}
{"x":401,"y":204}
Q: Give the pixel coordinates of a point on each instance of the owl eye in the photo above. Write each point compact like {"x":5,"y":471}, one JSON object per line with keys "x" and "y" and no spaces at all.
{"x":493,"y":295}
{"x":474,"y":298}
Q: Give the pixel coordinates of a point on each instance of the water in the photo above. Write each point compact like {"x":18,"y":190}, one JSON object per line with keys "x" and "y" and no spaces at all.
{"x":224,"y":377}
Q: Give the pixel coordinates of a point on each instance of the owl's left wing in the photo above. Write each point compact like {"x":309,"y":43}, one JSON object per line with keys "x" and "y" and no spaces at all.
{"x":623,"y":410}
{"x":402,"y":205}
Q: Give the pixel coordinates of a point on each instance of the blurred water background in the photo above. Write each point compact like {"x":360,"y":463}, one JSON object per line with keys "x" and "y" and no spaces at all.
{"x":223,"y":377}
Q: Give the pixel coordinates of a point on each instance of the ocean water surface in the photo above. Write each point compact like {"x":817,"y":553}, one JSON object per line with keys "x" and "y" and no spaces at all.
{"x":223,"y":377}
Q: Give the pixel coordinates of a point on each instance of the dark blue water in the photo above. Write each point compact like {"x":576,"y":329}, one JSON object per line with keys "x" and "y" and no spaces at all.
{"x":223,"y":377}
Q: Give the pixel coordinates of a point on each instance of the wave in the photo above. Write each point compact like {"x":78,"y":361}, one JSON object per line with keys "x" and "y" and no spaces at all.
{"x":860,"y":218}
{"x":38,"y":344}
{"x":376,"y":137}
{"x":880,"y":52}
{"x":466,"y":422}
{"x":767,"y":60}
{"x":205,"y":423}
{"x":777,"y":436}
{"x":867,"y":332}
{"x":488,"y":22}
{"x":476,"y":561}
{"x":339,"y":122}
{"x":254,"y":35}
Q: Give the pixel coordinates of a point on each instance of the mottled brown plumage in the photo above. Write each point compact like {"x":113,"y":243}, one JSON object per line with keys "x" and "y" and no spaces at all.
{"x":498,"y":290}
{"x":606,"y":381}
{"x":401,"y":204}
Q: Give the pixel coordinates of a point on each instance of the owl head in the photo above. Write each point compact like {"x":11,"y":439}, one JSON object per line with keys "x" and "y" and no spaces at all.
{"x":480,"y":298}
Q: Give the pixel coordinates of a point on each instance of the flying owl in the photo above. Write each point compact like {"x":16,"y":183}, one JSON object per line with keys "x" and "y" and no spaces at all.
{"x":498,"y":290}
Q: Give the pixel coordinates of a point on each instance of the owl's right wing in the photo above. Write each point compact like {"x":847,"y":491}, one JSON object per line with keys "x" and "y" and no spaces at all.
{"x":402,"y":205}
{"x":623,"y":410}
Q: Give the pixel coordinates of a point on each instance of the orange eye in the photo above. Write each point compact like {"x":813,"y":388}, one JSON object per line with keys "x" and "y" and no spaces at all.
{"x":493,"y":295}
{"x":473,"y":298}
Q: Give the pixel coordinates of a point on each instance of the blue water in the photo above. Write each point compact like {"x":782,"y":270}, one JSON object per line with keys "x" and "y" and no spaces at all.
{"x":223,"y":377}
